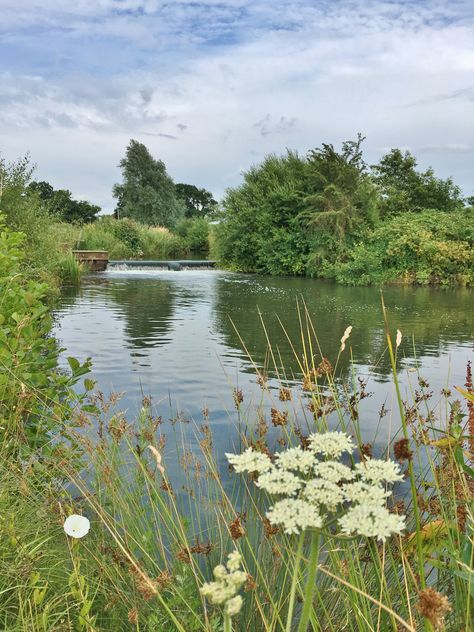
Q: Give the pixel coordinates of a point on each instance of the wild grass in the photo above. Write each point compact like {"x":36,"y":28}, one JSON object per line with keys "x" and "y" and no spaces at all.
{"x":157,"y":531}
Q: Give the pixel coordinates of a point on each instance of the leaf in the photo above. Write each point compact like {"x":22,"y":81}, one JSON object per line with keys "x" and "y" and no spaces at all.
{"x":466,"y":394}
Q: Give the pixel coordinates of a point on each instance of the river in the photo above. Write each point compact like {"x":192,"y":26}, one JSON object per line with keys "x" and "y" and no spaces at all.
{"x":184,"y":338}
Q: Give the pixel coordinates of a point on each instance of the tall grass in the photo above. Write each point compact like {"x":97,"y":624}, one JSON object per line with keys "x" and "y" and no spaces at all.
{"x":155,"y":540}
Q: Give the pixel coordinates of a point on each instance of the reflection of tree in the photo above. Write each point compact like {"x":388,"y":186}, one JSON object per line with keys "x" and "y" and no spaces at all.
{"x":434,"y":318}
{"x":148,"y":306}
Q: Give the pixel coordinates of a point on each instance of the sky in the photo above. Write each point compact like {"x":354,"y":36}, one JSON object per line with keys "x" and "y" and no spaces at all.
{"x":212,"y":86}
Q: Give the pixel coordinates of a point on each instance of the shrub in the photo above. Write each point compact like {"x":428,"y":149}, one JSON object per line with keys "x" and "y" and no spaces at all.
{"x":195,"y":232}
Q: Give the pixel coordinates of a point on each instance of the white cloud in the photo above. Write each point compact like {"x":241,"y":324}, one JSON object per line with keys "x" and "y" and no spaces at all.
{"x":211,"y":87}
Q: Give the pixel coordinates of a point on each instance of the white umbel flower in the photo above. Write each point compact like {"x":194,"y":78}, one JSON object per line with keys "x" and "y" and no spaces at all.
{"x":249,"y":461}
{"x":334,"y":471}
{"x":295,"y":515}
{"x":371,"y":521}
{"x":379,"y":471}
{"x":76,"y":526}
{"x":234,"y":605}
{"x":278,"y":481}
{"x":323,"y":492}
{"x":296,"y":459}
{"x":228,"y":582}
{"x":361,"y":492}
{"x":331,"y":444}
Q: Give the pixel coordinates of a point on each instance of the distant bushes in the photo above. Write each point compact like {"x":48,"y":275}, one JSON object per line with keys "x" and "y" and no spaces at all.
{"x":125,"y":238}
{"x":430,"y":247}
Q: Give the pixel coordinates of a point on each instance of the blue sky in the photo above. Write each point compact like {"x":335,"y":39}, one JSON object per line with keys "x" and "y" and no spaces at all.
{"x":212,"y":86}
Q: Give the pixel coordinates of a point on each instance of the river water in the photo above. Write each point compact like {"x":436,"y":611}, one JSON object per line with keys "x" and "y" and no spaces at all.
{"x":184,"y":338}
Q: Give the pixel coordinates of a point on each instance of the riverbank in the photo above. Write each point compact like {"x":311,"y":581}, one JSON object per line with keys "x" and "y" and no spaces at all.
{"x":152,"y":538}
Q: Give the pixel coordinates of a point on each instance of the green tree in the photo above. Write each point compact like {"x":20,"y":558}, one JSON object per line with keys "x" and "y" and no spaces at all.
{"x":403,"y":188}
{"x":147,"y":193}
{"x":260,"y":231}
{"x":198,"y":202}
{"x":341,"y":202}
{"x":61,"y":204}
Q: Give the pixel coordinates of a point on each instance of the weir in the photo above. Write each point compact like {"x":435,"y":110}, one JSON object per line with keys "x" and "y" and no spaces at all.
{"x":146,"y":264}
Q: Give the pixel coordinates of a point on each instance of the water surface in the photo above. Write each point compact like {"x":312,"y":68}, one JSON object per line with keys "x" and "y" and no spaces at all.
{"x":173,"y":336}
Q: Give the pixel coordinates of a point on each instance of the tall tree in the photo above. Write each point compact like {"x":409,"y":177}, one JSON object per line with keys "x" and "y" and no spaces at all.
{"x":59,"y":202}
{"x":403,"y":188}
{"x":198,"y":202}
{"x":147,"y":193}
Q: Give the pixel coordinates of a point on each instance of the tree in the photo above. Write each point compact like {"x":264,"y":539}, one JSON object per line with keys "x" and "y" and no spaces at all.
{"x":403,"y":188}
{"x":198,"y":202}
{"x":147,"y":193}
{"x":60,"y":203}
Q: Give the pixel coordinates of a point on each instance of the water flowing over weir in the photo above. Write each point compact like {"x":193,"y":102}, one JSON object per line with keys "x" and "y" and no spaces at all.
{"x":150,"y":264}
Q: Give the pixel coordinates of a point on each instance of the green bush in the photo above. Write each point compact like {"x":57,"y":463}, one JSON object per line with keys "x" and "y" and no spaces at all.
{"x":195,"y":232}
{"x":428,"y":247}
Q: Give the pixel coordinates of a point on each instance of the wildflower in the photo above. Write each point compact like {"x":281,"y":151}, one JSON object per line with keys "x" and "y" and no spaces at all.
{"x":334,"y":471}
{"x":323,"y":492}
{"x":295,"y":515}
{"x":228,"y":582}
{"x":279,"y":481}
{"x":346,"y":335}
{"x":331,"y":444}
{"x":234,"y":605}
{"x":233,"y":561}
{"x":296,"y":459}
{"x":378,"y":471}
{"x":399,"y":338}
{"x":362,"y":493}
{"x":433,"y":606}
{"x":371,"y":521}
{"x":249,"y":461}
{"x":76,"y":526}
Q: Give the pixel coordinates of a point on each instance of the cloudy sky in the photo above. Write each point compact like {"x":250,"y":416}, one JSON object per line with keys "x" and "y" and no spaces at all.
{"x":211,"y":86}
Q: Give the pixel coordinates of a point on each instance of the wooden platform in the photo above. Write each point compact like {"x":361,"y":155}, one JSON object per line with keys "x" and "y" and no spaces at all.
{"x":96,"y":260}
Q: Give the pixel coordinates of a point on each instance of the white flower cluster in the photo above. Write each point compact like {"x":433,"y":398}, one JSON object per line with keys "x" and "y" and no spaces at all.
{"x":316,"y":489}
{"x":249,"y":461}
{"x":228,"y":581}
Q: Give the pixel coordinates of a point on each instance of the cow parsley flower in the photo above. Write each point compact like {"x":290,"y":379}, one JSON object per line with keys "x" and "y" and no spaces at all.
{"x":76,"y":526}
{"x":249,"y":461}
{"x":371,"y":521}
{"x":360,"y":492}
{"x":228,"y":582}
{"x":379,"y":471}
{"x":296,"y":459}
{"x":295,"y":515}
{"x":334,"y":471}
{"x":323,"y":492}
{"x":331,"y":444}
{"x":278,"y":481}
{"x":234,"y":605}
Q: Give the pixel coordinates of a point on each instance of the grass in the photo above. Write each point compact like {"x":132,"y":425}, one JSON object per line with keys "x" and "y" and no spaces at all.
{"x":155,"y":540}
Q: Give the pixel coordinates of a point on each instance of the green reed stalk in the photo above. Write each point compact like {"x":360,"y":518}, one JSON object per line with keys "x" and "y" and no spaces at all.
{"x":311,"y":581}
{"x":294,"y":583}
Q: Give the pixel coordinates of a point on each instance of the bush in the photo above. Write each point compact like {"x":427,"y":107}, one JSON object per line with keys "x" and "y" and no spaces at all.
{"x":195,"y":232}
{"x":429,"y":247}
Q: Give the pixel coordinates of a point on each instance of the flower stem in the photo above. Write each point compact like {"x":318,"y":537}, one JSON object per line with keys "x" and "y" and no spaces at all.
{"x":227,"y":623}
{"x":311,"y":581}
{"x":294,"y":583}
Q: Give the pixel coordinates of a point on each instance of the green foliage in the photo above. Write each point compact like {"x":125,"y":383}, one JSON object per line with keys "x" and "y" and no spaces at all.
{"x":428,"y":247}
{"x":147,"y":193}
{"x":60,"y":204}
{"x":198,"y":202}
{"x":403,"y":188}
{"x":195,"y":232}
{"x":260,"y":231}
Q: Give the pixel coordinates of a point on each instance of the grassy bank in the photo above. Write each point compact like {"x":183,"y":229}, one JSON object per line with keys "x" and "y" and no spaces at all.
{"x":154,"y":544}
